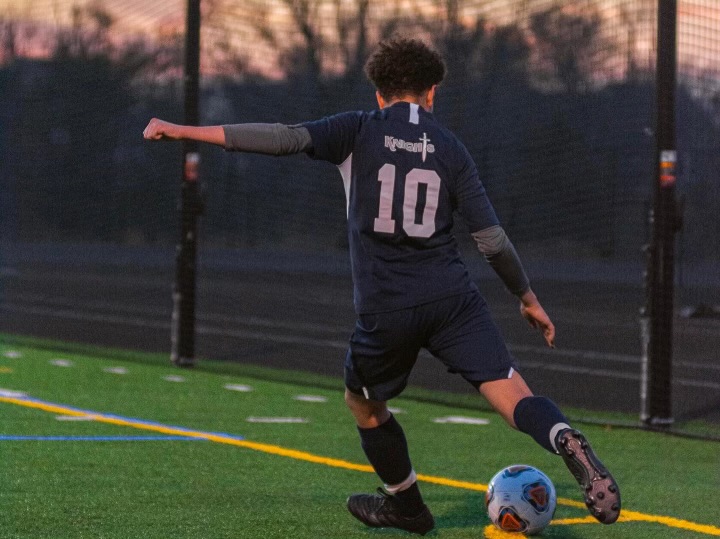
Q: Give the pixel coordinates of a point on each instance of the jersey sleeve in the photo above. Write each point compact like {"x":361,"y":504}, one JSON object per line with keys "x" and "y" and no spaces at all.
{"x":333,"y":137}
{"x":470,"y":197}
{"x":270,"y":139}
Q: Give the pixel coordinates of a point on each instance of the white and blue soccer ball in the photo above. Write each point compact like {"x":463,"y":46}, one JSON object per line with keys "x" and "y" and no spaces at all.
{"x":520,"y":498}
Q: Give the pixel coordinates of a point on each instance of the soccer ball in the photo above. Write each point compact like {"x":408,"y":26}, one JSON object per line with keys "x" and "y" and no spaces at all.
{"x":521,"y":499}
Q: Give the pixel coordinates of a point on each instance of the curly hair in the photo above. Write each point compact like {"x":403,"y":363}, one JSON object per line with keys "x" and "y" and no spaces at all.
{"x":402,"y":66}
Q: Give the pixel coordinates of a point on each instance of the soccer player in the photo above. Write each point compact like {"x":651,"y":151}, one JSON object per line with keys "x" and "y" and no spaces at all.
{"x":405,"y":177}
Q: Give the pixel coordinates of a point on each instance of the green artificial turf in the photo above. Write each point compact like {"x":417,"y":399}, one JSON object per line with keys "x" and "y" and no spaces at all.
{"x":196,"y":489}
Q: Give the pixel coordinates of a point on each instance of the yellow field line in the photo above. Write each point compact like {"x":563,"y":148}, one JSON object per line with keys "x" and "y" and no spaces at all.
{"x":265,"y":448}
{"x":490,"y":532}
{"x":482,"y":488}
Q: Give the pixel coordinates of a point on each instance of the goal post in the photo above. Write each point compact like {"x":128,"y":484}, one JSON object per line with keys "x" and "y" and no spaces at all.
{"x":183,"y":317}
{"x":657,"y":320}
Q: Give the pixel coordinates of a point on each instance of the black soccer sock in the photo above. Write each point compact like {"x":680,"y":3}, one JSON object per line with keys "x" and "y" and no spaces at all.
{"x":411,"y":499}
{"x":387,"y":451}
{"x":386,"y":448}
{"x":541,"y":419}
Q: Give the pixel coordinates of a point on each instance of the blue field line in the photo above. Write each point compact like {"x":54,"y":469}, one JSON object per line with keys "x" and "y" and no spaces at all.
{"x":191,"y":432}
{"x":30,"y":438}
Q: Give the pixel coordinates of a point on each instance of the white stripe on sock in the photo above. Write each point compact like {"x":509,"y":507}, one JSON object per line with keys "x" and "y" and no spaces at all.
{"x":394,"y":489}
{"x":554,"y":432}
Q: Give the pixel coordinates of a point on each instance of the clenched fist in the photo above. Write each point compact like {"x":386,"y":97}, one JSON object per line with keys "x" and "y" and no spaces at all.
{"x":161,"y":130}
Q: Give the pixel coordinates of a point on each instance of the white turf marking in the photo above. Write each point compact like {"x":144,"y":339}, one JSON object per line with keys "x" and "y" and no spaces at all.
{"x":12,"y":354}
{"x":74,"y":418}
{"x":61,"y":362}
{"x":394,"y":410}
{"x":10,"y":394}
{"x":310,"y":398}
{"x":115,"y":370}
{"x":253,"y":419}
{"x":238,"y":387}
{"x":174,"y":378}
{"x":460,"y":420}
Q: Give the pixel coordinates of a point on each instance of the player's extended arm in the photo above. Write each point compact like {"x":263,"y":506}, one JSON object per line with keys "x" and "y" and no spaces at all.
{"x":500,"y":253}
{"x":161,"y":130}
{"x":269,"y":139}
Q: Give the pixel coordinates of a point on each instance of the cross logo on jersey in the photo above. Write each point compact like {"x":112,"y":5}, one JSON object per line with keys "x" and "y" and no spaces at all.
{"x":425,"y":141}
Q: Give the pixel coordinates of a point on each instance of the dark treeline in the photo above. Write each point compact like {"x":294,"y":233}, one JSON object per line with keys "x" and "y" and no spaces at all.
{"x":568,"y":164}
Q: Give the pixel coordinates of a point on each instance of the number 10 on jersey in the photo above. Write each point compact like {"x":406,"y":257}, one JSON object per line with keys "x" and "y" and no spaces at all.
{"x":384,"y":221}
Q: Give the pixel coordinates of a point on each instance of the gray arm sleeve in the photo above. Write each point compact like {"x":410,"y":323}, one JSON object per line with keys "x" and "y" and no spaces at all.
{"x":269,"y":139}
{"x":495,"y":246}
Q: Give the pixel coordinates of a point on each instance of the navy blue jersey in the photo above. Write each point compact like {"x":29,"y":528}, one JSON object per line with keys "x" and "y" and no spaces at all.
{"x":405,"y":176}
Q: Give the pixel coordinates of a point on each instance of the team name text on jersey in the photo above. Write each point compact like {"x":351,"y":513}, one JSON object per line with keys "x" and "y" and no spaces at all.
{"x":424,"y":147}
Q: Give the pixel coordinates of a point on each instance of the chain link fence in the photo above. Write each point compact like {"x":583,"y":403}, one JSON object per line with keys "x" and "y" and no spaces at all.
{"x":554,"y":100}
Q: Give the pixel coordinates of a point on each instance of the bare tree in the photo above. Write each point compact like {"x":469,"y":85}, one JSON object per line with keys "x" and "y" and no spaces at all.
{"x":569,"y":39}
{"x":352,"y":31}
{"x":460,"y":42}
{"x":8,"y":39}
{"x":88,"y":33}
{"x":637,"y":22}
{"x":16,"y":32}
{"x":475,"y":48}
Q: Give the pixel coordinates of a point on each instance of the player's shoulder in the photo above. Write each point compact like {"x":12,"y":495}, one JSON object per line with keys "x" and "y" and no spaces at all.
{"x":452,"y":151}
{"x":346,"y":118}
{"x":332,"y":127}
{"x":446,"y":140}
{"x":450,"y":138}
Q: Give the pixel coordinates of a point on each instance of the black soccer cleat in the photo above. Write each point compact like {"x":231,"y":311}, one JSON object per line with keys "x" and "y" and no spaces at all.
{"x":382,"y":510}
{"x":602,"y":495}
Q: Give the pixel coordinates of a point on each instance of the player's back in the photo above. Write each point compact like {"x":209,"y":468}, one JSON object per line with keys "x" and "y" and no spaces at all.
{"x":404,"y":176}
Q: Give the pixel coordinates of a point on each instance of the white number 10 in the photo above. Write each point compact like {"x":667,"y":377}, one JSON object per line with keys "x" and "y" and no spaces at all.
{"x":384,"y":221}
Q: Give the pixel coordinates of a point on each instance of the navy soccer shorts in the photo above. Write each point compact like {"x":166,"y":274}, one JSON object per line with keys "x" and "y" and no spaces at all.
{"x":458,"y":330}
